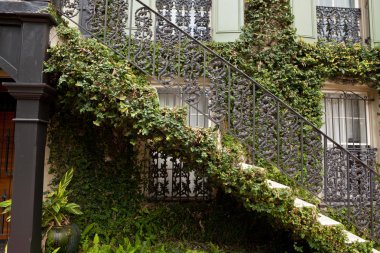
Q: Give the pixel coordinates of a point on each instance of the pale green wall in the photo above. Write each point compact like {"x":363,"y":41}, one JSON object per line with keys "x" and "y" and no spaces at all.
{"x":305,"y":20}
{"x":374,"y":13}
{"x":227,"y":19}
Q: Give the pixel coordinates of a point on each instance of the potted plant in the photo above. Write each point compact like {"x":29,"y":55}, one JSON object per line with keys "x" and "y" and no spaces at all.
{"x":58,"y":231}
{"x":59,"y":235}
{"x":7,"y":206}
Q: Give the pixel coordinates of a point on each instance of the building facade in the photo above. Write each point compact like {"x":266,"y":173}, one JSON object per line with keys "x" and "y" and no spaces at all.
{"x":351,"y":110}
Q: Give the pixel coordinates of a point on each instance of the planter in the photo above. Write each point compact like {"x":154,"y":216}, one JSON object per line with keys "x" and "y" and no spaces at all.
{"x":66,"y":238}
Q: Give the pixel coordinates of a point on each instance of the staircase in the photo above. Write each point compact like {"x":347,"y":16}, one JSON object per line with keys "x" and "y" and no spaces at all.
{"x":300,"y":205}
{"x":268,"y":127}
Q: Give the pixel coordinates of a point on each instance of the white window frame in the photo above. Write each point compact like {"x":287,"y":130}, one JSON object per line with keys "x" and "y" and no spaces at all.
{"x":343,"y":120}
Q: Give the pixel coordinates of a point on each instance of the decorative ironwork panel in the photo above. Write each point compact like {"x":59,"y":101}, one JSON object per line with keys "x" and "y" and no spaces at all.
{"x":217,"y":73}
{"x":170,"y":180}
{"x":168,"y":53}
{"x":312,"y":159}
{"x":242,"y":108}
{"x":192,"y":16}
{"x":142,"y":56}
{"x":375,"y":205}
{"x":192,"y":71}
{"x":105,"y":19}
{"x":336,"y":184}
{"x":339,"y":24}
{"x":353,"y":189}
{"x":267,"y":127}
{"x":290,"y":133}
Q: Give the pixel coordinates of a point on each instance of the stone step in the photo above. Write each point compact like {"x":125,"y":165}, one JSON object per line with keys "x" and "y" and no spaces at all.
{"x":351,"y":238}
{"x":301,"y":204}
{"x":275,"y":185}
{"x":327,"y":221}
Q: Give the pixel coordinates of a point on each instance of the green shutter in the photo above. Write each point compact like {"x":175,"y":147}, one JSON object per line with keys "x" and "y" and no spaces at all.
{"x":227,"y":19}
{"x":374,"y":16}
{"x":305,"y":20}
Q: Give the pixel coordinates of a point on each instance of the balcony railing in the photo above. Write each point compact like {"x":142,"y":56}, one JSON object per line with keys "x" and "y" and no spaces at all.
{"x":339,"y":24}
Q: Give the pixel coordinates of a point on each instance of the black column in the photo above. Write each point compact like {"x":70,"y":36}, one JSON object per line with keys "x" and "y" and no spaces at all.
{"x":30,"y":139}
{"x":25,"y":54}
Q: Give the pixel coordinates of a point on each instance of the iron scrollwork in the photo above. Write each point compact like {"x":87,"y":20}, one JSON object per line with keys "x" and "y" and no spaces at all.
{"x":339,"y":24}
{"x":143,"y":35}
{"x":267,"y":127}
{"x":104,"y":19}
{"x":217,"y":91}
{"x":291,"y":144}
{"x":169,"y":179}
{"x":312,"y":159}
{"x":192,"y":16}
{"x":192,"y":72}
{"x":243,"y":112}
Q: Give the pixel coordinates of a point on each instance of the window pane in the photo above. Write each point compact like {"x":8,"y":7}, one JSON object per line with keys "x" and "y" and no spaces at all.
{"x":346,"y":119}
{"x":336,"y":3}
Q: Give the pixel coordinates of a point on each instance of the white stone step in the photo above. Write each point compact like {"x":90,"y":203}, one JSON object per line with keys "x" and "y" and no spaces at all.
{"x":351,"y":238}
{"x":301,"y":203}
{"x":327,"y":221}
{"x":275,"y":185}
{"x":246,"y":166}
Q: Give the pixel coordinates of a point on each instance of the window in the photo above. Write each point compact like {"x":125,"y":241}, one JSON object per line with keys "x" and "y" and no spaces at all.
{"x":347,"y":123}
{"x":196,"y":113}
{"x":346,"y":117}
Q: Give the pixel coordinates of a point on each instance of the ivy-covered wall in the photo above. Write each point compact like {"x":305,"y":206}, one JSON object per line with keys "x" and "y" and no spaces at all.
{"x":105,"y":110}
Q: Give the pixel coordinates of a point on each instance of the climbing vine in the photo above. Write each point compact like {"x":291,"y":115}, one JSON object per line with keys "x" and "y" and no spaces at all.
{"x":104,"y":111}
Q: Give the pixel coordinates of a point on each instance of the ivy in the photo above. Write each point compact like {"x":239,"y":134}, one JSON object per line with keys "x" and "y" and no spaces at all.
{"x":103,"y":103}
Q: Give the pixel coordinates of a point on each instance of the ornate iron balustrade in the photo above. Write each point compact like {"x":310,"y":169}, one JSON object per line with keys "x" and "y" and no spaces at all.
{"x":339,"y":24}
{"x":168,"y":179}
{"x":193,"y":16}
{"x":266,"y":125}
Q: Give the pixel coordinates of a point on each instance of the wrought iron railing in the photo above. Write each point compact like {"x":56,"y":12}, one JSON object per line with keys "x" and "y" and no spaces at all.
{"x":269,"y":127}
{"x":168,"y":178}
{"x":7,"y":113}
{"x":339,"y":24}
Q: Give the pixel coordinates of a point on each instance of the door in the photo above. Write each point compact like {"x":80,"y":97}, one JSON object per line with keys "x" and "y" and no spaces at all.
{"x":7,"y":113}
